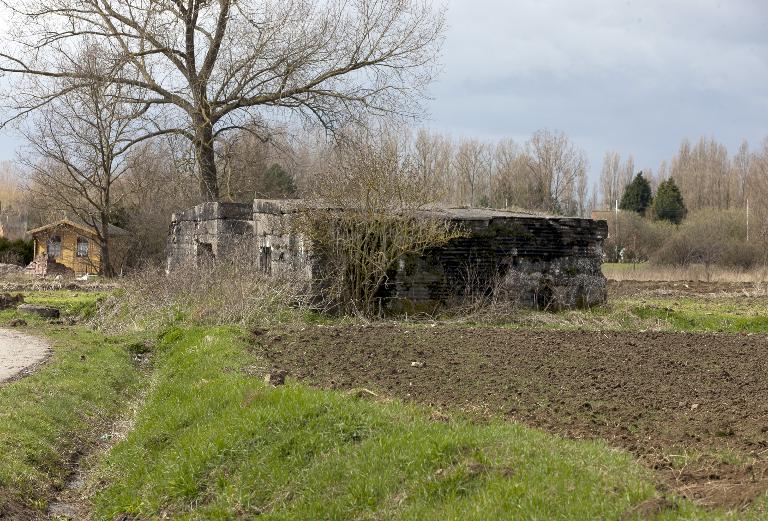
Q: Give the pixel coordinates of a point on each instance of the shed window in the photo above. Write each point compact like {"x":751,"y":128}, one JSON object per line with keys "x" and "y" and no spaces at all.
{"x":54,"y":247}
{"x":82,"y":247}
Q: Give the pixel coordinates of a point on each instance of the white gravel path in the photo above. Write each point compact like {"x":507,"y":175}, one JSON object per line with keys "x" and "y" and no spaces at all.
{"x":19,"y":351}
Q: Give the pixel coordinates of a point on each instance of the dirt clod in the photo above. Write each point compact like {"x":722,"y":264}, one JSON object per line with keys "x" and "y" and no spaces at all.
{"x":276,"y":377}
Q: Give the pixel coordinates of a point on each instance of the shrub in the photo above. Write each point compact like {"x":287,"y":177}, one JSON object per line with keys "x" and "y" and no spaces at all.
{"x":711,"y":237}
{"x":213,"y":293}
{"x":632,"y":238}
{"x":18,"y":251}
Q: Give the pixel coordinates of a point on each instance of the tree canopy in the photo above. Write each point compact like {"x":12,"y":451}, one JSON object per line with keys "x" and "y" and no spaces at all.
{"x":668,"y":204}
{"x":199,"y":68}
{"x":637,"y":196}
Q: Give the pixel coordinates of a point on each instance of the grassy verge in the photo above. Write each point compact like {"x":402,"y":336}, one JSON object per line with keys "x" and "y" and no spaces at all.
{"x":214,"y":442}
{"x":702,"y":315}
{"x":48,"y":419}
{"x":645,"y":271}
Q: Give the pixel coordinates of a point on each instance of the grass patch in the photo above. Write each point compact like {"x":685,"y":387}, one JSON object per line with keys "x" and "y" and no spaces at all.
{"x":80,"y":305}
{"x":682,"y":314}
{"x":214,"y":442}
{"x":49,"y":418}
{"x":645,"y":271}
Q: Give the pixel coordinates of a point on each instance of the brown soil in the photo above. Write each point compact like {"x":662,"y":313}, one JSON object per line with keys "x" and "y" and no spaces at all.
{"x":694,"y":407}
{"x":14,"y":510}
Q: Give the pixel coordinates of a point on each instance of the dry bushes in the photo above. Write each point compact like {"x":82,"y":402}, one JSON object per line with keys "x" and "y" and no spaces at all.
{"x":691,"y":272}
{"x":711,"y":238}
{"x":374,"y":195}
{"x":212,"y":293}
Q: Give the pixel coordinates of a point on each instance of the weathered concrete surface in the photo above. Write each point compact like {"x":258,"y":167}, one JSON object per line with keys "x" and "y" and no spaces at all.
{"x":208,"y":231}
{"x":18,"y":352}
{"x":536,"y":262}
{"x":544,"y":262}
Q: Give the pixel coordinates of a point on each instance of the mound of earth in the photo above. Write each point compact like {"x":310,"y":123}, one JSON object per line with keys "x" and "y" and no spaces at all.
{"x":693,"y":407}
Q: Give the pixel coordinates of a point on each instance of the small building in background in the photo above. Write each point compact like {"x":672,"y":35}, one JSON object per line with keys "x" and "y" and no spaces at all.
{"x":67,"y":247}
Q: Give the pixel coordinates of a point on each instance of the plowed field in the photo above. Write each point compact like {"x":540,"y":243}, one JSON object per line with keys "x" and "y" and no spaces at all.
{"x":693,"y":407}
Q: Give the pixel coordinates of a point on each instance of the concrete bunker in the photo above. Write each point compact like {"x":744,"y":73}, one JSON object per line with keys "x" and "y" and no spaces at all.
{"x":535,"y":261}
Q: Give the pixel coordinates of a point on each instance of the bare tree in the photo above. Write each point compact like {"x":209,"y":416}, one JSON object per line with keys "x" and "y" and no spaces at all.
{"x":703,"y":175}
{"x":79,"y":148}
{"x":740,"y":167}
{"x":159,"y":181}
{"x":433,"y":155}
{"x":556,"y":167}
{"x":758,"y":190}
{"x":203,"y":67}
{"x":379,"y":216}
{"x":472,"y":164}
{"x":614,"y":178}
{"x":511,"y":178}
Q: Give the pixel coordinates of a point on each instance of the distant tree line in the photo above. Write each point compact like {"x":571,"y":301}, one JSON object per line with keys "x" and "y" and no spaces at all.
{"x":715,"y":204}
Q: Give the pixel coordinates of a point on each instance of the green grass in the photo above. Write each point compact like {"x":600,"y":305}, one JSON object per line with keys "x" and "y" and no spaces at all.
{"x":77,"y":304}
{"x":725,"y":314}
{"x":214,"y":442}
{"x":703,"y":315}
{"x":57,"y":413}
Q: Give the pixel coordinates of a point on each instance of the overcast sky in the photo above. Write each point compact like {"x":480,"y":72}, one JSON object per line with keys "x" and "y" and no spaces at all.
{"x":630,"y":76}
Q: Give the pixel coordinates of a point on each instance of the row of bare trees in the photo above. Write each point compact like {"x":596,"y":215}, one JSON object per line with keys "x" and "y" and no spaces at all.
{"x":199,"y":69}
{"x":546,"y":173}
{"x":706,"y":174}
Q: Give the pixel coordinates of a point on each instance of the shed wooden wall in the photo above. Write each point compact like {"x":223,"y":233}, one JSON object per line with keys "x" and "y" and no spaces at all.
{"x":69,"y":258}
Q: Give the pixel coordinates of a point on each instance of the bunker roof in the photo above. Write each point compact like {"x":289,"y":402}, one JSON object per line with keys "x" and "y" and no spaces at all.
{"x":461,"y":213}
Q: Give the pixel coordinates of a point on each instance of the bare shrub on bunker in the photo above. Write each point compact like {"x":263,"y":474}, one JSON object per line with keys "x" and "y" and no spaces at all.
{"x":369,"y":213}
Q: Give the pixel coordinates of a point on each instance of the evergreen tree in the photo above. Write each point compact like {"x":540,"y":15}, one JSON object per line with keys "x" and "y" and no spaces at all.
{"x":277,"y":183}
{"x":668,"y":204}
{"x":637,"y":195}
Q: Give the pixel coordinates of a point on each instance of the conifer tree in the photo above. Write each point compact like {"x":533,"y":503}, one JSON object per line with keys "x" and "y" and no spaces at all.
{"x":668,"y":204}
{"x":637,"y":196}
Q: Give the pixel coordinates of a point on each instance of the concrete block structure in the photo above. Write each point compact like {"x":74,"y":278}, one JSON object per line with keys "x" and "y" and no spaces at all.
{"x":535,"y":261}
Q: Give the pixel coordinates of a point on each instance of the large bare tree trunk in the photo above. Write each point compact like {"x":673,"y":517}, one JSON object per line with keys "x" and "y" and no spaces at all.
{"x":206,"y":159}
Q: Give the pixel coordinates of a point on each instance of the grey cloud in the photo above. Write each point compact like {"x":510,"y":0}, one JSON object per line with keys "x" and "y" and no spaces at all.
{"x":636,"y":77}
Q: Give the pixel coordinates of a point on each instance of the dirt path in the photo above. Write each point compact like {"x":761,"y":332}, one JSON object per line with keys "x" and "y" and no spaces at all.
{"x":18,"y":352}
{"x":693,"y":407}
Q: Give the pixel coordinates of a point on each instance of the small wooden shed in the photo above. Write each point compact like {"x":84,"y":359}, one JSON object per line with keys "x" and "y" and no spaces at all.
{"x":67,"y":247}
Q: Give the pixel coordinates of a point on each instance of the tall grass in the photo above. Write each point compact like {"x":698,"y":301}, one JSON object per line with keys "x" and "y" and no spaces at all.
{"x":216,"y":293}
{"x":691,"y":272}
